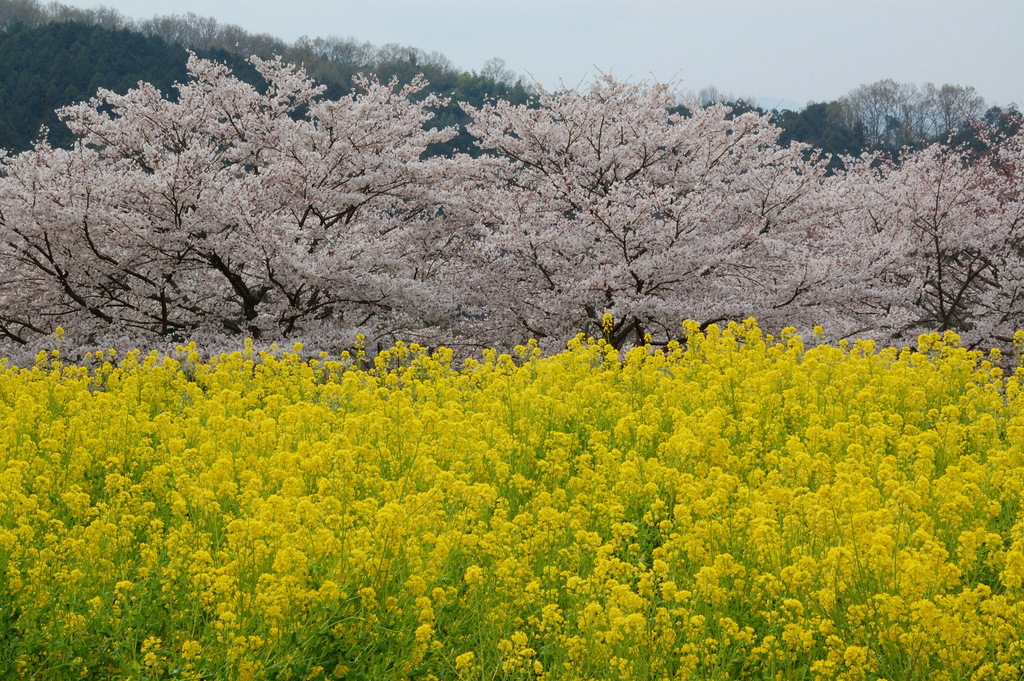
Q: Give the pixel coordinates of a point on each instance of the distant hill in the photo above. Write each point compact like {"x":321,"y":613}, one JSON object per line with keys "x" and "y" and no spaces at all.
{"x":57,"y":64}
{"x":53,"y":55}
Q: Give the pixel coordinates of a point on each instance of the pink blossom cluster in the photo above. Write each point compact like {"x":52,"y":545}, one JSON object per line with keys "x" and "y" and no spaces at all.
{"x":282,"y":215}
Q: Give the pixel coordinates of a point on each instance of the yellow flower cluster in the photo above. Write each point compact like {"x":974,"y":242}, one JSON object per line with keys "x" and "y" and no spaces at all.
{"x":737,"y":507}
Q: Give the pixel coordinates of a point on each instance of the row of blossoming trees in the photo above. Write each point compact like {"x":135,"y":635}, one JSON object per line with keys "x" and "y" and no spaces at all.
{"x":283,"y":215}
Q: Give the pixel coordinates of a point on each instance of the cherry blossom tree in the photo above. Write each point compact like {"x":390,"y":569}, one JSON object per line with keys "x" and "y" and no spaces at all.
{"x":605,"y":202}
{"x":225,"y":210}
{"x":935,"y":243}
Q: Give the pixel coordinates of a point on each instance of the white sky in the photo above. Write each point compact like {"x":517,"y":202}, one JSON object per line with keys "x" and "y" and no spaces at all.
{"x":795,"y":50}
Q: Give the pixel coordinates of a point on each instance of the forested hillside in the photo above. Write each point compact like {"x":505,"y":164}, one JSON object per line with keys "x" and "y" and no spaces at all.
{"x":60,"y":63}
{"x":52,"y":56}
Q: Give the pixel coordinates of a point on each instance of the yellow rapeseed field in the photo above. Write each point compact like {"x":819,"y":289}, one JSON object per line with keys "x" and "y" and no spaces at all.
{"x":738,"y":507}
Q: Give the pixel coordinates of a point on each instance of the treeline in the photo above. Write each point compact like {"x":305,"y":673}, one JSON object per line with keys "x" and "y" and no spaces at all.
{"x":54,"y":55}
{"x":886,"y":117}
{"x":891,"y":117}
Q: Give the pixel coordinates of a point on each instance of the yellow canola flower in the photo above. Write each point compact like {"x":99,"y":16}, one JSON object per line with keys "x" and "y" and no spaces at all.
{"x":729,"y":506}
{"x":464,"y":663}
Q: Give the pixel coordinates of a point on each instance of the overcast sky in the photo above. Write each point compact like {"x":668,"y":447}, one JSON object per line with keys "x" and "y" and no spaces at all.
{"x":795,"y":50}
